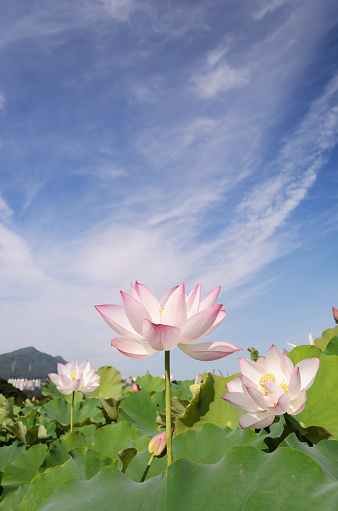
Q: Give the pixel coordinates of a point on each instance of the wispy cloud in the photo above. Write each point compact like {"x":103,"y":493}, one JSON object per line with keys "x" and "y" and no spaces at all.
{"x":221,"y":78}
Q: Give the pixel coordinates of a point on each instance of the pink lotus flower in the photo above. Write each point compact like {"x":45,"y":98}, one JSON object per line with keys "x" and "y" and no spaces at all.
{"x":270,"y":386}
{"x":134,"y":388}
{"x":172,"y":377}
{"x":72,"y":377}
{"x":148,"y":325}
{"x":335,"y":314}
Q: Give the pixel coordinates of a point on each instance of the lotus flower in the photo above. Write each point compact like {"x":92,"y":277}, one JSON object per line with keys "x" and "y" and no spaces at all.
{"x":148,"y":325}
{"x":335,"y":314}
{"x":269,"y":387}
{"x":72,"y":377}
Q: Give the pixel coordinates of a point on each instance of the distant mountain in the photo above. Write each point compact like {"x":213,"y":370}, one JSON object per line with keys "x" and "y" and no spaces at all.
{"x":28,"y":363}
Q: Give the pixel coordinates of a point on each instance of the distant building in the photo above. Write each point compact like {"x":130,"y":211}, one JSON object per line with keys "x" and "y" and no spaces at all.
{"x":24,"y":384}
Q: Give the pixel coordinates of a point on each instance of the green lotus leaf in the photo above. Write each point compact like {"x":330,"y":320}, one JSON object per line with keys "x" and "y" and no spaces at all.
{"x":245,"y":478}
{"x":19,"y":473}
{"x":125,"y":457}
{"x":6,"y":410}
{"x":206,"y":445}
{"x":325,"y":453}
{"x":208,"y":406}
{"x":326,"y":337}
{"x":178,"y":407}
{"x":108,"y":440}
{"x":150,"y":383}
{"x":83,"y":464}
{"x":9,"y":452}
{"x":84,"y":412}
{"x":111,"y":384}
{"x":332,"y":347}
{"x":181,"y":389}
{"x":321,"y":407}
{"x":139,"y":409}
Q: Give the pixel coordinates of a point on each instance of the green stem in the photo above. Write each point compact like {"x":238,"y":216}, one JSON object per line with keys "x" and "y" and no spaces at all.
{"x":168,"y":408}
{"x":147,"y":468}
{"x":72,"y":413}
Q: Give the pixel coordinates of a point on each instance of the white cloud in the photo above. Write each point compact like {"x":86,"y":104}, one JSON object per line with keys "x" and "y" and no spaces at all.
{"x":220,"y":79}
{"x":267,"y":6}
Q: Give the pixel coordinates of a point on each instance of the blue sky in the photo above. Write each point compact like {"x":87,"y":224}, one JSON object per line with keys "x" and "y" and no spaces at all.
{"x":167,"y":142}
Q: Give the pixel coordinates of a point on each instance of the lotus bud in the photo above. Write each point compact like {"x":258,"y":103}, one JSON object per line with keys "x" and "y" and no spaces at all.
{"x":310,"y":339}
{"x":335,"y":314}
{"x":158,"y":444}
{"x":134,"y":388}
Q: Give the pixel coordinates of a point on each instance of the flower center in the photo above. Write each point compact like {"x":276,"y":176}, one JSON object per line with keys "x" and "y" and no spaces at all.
{"x":73,"y":376}
{"x":266,"y":376}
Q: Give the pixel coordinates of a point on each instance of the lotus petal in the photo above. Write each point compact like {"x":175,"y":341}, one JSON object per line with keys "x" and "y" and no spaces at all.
{"x":210,"y":299}
{"x":161,"y":337}
{"x":135,"y":312}
{"x":115,"y":316}
{"x":199,"y":324}
{"x":308,"y":369}
{"x":209,"y":350}
{"x":257,"y":420}
{"x":132,"y":349}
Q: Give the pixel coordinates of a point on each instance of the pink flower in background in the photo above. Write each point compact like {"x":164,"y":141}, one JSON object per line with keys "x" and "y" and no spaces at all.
{"x":270,"y":386}
{"x":134,"y":388}
{"x":335,"y":314}
{"x":147,"y":325}
{"x":72,"y":377}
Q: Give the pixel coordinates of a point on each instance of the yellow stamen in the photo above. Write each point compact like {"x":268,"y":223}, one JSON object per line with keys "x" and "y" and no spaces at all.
{"x":284,"y":386}
{"x":266,"y":376}
{"x":160,"y":311}
{"x":73,"y":376}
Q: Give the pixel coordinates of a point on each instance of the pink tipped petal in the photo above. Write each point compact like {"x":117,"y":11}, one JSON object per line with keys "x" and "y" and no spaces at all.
{"x":115,"y":316}
{"x":242,"y":401}
{"x":132,"y":349}
{"x":64,"y":391}
{"x":308,"y":369}
{"x":197,"y":325}
{"x":166,"y":296}
{"x":85,"y":366}
{"x":257,"y":396}
{"x":335,"y":314}
{"x":234,"y":385}
{"x":175,"y":310}
{"x":148,"y":300}
{"x":257,"y":420}
{"x":297,"y":405}
{"x":193,"y":301}
{"x":161,"y":337}
{"x":209,"y":350}
{"x":251,"y":369}
{"x":294,"y":384}
{"x":210,"y":299}
{"x":134,"y":293}
{"x":135,"y":312}
{"x":219,"y":319}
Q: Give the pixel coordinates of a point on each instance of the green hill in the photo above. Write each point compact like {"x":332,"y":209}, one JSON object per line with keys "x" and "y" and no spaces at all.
{"x":28,"y":363}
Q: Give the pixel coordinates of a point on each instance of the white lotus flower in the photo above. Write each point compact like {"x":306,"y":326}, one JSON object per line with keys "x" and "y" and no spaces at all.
{"x":270,"y":386}
{"x":72,"y":377}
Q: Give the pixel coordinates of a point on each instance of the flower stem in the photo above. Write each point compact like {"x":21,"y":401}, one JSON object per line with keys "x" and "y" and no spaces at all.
{"x":72,"y":413}
{"x":168,"y":408}
{"x":147,"y":468}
